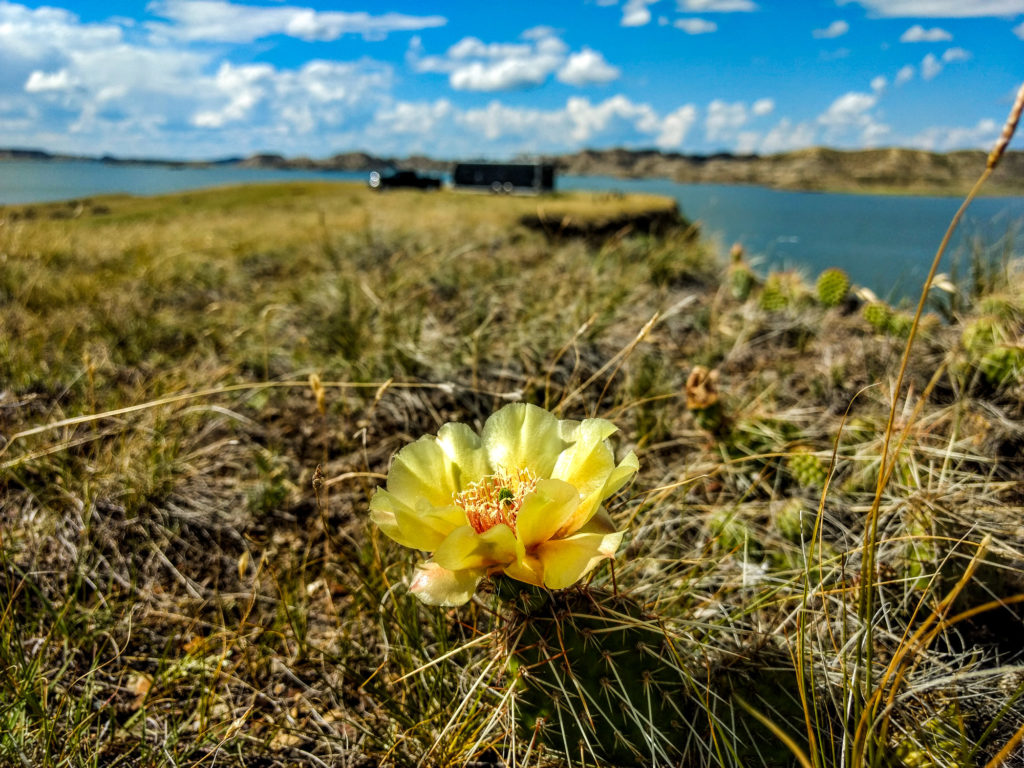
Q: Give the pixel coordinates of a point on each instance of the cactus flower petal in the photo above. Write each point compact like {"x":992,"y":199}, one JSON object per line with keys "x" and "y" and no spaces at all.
{"x":435,"y":585}
{"x":568,"y":560}
{"x":549,"y":507}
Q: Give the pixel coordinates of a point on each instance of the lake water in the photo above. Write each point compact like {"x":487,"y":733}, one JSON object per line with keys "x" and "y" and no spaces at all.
{"x":885,"y":242}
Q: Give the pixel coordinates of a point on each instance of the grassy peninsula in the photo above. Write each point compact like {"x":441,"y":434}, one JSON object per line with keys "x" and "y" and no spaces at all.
{"x":199,"y":393}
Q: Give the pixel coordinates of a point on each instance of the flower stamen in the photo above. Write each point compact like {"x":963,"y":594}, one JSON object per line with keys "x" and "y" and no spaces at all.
{"x":496,"y":499}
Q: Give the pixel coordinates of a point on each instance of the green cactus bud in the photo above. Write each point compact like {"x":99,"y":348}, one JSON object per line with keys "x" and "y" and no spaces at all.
{"x":833,"y":285}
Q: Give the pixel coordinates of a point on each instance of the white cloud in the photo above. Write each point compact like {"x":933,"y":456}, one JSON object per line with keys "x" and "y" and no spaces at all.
{"x":716,"y":6}
{"x":955,"y":54}
{"x":784,"y":137}
{"x":39,"y":81}
{"x":675,"y":126}
{"x":37,"y":35}
{"x":591,"y":119}
{"x":850,"y":120}
{"x":762,"y":107}
{"x":473,"y":65}
{"x":918,"y":34}
{"x":837,"y":28}
{"x":849,"y":109}
{"x":724,"y":119}
{"x":244,"y":87}
{"x":930,"y":67}
{"x":943,"y":138}
{"x":635,"y":13}
{"x":905,"y":74}
{"x":695,"y":26}
{"x":586,"y":67}
{"x":415,"y":118}
{"x":223,"y":21}
{"x":579,"y":123}
{"x":945,"y":9}
{"x":878,"y":84}
{"x":1019,"y":30}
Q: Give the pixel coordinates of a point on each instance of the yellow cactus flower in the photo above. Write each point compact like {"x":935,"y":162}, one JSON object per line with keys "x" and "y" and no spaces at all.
{"x":523,"y":498}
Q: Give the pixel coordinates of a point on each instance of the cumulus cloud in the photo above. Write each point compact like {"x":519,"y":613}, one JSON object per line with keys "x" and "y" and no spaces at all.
{"x":716,"y":6}
{"x":579,"y":122}
{"x":40,"y":81}
{"x":942,"y":8}
{"x":851,"y":119}
{"x":878,"y":84}
{"x":723,"y":119}
{"x":635,"y":13}
{"x":905,"y":74}
{"x":223,"y":21}
{"x":849,"y":109}
{"x":695,"y":26}
{"x":837,"y":28}
{"x":955,"y":54}
{"x":675,"y":126}
{"x":473,"y":65}
{"x":1019,"y":30}
{"x":784,"y":137}
{"x":37,"y":34}
{"x":587,"y":67}
{"x":943,"y":138}
{"x":918,"y":34}
{"x":930,"y":67}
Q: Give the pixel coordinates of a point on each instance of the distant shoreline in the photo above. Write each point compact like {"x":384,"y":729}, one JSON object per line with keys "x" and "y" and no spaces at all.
{"x":871,"y":171}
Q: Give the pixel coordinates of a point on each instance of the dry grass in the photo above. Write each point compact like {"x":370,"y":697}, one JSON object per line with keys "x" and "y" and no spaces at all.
{"x":174,"y":591}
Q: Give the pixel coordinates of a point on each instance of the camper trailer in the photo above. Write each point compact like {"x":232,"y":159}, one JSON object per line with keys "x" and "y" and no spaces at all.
{"x":507,"y":178}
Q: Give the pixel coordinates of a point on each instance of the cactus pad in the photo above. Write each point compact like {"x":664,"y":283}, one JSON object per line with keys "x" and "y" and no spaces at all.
{"x":833,"y":285}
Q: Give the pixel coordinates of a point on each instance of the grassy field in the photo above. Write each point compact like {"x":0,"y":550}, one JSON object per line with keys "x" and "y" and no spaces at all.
{"x":176,"y":590}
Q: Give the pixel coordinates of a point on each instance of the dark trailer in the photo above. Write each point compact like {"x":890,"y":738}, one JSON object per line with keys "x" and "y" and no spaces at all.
{"x":505,"y":177}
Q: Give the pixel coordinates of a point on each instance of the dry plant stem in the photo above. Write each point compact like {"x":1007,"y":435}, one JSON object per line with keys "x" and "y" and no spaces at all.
{"x":901,"y":664}
{"x":866,"y":608}
{"x":195,"y":395}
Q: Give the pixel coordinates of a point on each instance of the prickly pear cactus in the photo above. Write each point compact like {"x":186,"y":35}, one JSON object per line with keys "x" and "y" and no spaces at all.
{"x":832,"y":286}
{"x":794,"y":520}
{"x":774,"y":295}
{"x":899,"y":324}
{"x":1003,"y":365}
{"x":742,"y":280}
{"x":877,"y":313}
{"x":596,"y":676}
{"x":731,"y":533}
{"x":936,"y":742}
{"x":601,"y":681}
{"x":806,"y":469}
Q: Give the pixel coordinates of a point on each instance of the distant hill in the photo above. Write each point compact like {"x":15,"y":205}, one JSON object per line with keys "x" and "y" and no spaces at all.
{"x":892,"y":170}
{"x":818,"y":168}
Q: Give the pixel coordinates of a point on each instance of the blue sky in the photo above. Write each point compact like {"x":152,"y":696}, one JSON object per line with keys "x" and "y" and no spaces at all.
{"x":213,"y":78}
